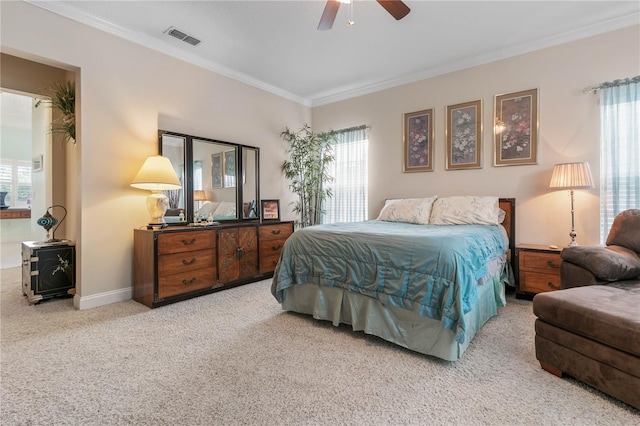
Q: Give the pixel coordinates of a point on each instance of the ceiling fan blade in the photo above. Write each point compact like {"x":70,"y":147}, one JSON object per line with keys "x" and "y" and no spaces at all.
{"x":396,"y":8}
{"x":329,"y":15}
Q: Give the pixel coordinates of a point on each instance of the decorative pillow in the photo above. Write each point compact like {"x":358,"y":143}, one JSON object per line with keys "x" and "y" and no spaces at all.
{"x":207,"y":208}
{"x":464,"y":210}
{"x":409,"y":210}
{"x":226,"y":209}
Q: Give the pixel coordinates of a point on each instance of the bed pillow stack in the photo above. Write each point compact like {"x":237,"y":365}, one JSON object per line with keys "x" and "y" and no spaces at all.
{"x":457,"y":210}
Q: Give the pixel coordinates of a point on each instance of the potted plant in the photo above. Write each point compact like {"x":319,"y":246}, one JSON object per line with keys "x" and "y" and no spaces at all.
{"x":307,"y":169}
{"x":63,"y":98}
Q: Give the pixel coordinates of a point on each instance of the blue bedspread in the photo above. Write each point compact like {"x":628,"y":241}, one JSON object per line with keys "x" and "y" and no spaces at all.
{"x":429,"y":269}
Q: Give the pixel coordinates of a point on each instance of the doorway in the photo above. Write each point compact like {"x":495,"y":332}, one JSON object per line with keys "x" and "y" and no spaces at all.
{"x":25,"y":171}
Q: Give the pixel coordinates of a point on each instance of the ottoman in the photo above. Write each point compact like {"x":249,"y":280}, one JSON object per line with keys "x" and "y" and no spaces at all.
{"x":592,"y":334}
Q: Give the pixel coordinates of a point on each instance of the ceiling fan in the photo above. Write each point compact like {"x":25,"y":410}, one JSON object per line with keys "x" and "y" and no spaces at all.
{"x":396,"y":8}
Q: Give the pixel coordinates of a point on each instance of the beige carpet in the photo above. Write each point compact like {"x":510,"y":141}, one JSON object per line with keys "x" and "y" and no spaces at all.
{"x":234,"y":357}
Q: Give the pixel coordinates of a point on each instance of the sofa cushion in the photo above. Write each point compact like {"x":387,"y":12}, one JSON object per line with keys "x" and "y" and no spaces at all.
{"x":625,"y":230}
{"x":610,"y":263}
{"x":605,"y":313}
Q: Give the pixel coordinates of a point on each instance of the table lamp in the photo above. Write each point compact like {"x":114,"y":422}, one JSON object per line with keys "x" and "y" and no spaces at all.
{"x":156,"y":175}
{"x":571,"y":176}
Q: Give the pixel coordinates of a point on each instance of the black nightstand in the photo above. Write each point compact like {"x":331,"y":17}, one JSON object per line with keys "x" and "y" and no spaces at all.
{"x":48,"y":269}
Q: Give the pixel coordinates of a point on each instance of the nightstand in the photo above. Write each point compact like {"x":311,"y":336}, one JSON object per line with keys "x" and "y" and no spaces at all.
{"x":537,"y":269}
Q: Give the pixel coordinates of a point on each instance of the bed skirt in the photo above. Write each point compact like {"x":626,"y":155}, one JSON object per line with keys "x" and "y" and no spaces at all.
{"x":396,"y":325}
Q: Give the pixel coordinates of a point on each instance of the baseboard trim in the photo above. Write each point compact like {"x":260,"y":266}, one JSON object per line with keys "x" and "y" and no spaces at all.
{"x":100,"y":299}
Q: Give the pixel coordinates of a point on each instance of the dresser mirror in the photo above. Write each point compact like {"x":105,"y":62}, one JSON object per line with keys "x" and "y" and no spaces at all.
{"x":220,"y":180}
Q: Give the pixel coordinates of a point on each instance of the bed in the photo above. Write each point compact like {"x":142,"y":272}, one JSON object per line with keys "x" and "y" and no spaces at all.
{"x":426,"y":280}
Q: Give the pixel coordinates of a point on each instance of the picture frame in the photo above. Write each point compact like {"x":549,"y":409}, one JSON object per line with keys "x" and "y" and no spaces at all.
{"x":36,"y":163}
{"x":418,"y":141}
{"x":216,"y":170}
{"x":464,"y":136}
{"x":270,"y":209}
{"x":230,"y":168}
{"x":516,"y":128}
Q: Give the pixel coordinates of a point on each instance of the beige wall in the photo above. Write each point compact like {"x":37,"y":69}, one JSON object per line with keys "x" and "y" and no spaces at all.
{"x":568,"y":124}
{"x":125,"y":93}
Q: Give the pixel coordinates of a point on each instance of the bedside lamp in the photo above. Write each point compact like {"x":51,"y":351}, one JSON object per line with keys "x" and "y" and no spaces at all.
{"x":571,"y":176}
{"x":157,"y":175}
{"x":199,"y":195}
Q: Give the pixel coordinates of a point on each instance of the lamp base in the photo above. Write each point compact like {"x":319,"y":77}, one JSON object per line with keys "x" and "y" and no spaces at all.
{"x":156,"y":226}
{"x":157,"y":205}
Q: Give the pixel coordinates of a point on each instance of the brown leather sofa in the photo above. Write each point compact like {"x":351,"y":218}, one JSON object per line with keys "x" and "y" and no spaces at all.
{"x":591,"y":329}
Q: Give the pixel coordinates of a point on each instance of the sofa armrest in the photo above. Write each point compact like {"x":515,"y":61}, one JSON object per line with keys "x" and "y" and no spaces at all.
{"x":572,"y":275}
{"x":612,"y":263}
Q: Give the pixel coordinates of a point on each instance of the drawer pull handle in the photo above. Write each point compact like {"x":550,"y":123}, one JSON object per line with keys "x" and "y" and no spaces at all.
{"x":186,"y":262}
{"x":276,"y":246}
{"x":188,"y":243}
{"x":191,"y":281}
{"x":552,"y":265}
{"x":553,"y":286}
{"x":276,"y":231}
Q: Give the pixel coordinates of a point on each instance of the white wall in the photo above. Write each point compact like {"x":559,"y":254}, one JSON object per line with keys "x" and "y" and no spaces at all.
{"x":125,"y":93}
{"x":568,"y":125}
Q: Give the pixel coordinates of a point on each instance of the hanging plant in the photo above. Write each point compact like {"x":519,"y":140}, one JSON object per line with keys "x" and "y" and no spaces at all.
{"x":63,"y":98}
{"x":307,"y":169}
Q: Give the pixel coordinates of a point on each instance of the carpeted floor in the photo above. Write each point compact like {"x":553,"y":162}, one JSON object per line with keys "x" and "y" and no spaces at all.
{"x":234,"y":357}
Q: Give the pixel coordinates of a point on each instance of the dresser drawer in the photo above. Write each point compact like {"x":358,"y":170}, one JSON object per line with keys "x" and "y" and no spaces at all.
{"x":535,"y":282}
{"x":186,"y":241}
{"x":171,"y":285}
{"x":268,"y":263}
{"x":540,"y":262}
{"x":275,"y":232}
{"x":271,"y":247}
{"x":185,"y":262}
{"x":270,"y":254}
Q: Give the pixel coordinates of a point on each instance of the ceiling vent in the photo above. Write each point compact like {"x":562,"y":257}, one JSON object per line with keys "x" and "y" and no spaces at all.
{"x":181,"y":35}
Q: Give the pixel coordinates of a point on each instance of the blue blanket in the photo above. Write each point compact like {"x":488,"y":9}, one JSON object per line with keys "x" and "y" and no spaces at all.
{"x":430,"y":269}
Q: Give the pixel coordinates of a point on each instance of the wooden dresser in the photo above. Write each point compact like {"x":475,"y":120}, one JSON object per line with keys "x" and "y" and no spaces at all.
{"x":537,"y":269}
{"x":180,"y":262}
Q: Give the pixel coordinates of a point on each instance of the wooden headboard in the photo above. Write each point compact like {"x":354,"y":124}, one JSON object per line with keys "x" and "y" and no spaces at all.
{"x":509,"y":223}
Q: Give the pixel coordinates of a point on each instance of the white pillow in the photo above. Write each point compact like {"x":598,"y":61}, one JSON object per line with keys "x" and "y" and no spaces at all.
{"x":465,"y":211}
{"x":409,"y":210}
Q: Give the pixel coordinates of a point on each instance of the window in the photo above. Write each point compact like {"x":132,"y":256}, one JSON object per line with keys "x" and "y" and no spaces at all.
{"x":349,"y":169}
{"x":15,"y":180}
{"x":620,"y":150}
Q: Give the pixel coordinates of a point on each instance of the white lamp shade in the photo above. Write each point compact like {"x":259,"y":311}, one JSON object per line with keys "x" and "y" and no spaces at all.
{"x":571,"y":176}
{"x":157,"y":174}
{"x":199,"y":195}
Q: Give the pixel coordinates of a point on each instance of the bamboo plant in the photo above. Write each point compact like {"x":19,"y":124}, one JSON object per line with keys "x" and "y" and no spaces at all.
{"x":307,"y":170}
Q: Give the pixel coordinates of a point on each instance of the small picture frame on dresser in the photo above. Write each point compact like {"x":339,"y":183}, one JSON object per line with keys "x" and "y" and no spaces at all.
{"x":270,"y":209}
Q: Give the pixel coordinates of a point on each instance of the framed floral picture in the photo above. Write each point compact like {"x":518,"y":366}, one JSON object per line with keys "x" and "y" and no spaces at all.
{"x":418,"y":141}
{"x":464,"y":136}
{"x":230,"y":168}
{"x":516,"y":128}
{"x":216,"y":170}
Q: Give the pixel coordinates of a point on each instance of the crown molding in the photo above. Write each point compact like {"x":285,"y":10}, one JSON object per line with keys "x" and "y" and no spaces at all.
{"x":332,"y":96}
{"x":569,"y":36}
{"x":145,"y":40}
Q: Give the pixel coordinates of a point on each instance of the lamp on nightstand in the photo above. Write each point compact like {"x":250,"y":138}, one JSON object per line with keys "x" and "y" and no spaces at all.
{"x":199,"y":195}
{"x":157,"y":175}
{"x":571,"y":176}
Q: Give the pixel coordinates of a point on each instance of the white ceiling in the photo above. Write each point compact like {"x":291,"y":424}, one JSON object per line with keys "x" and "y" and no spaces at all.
{"x":275,"y":45}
